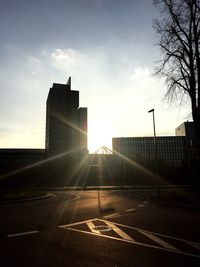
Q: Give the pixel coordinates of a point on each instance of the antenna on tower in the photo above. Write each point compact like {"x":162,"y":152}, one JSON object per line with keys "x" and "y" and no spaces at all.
{"x":69,"y":82}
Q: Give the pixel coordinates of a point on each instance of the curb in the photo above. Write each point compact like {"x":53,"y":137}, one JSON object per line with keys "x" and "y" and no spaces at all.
{"x":175,"y":205}
{"x":48,"y":195}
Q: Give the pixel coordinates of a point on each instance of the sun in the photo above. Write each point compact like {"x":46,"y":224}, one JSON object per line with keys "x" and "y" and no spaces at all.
{"x":99,"y":135}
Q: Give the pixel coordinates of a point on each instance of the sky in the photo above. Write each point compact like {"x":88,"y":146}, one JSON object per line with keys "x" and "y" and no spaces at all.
{"x":109,"y":49}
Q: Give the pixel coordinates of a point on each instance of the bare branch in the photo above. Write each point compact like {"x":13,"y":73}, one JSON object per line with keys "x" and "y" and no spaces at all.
{"x":179,"y":41}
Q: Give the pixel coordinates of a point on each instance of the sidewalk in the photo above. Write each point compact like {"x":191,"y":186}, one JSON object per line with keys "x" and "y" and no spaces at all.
{"x":179,"y":198}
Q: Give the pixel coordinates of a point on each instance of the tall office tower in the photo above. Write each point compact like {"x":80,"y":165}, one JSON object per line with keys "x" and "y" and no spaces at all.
{"x":66,"y":123}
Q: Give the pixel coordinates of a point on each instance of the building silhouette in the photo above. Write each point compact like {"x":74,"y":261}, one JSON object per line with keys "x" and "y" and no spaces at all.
{"x":65,"y":157}
{"x":171,"y":156}
{"x":65,"y":144}
{"x":66,"y":122}
{"x":171,"y":150}
{"x":187,"y":129}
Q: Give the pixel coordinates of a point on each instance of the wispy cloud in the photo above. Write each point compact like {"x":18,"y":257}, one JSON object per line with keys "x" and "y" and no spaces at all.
{"x":66,"y":55}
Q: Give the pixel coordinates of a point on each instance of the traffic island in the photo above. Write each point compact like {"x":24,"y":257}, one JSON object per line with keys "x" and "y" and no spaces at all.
{"x":23,"y":194}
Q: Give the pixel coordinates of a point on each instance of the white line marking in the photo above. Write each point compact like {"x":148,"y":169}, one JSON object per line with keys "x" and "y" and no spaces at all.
{"x":119,"y":231}
{"x":129,"y":210}
{"x":117,"y":215}
{"x":141,"y":205}
{"x":67,"y":226}
{"x":158,"y":240}
{"x":111,"y":215}
{"x":162,"y":235}
{"x":194,"y":244}
{"x":23,"y":233}
{"x":136,"y":243}
{"x":92,"y":228}
{"x":77,"y":223}
{"x":114,"y":215}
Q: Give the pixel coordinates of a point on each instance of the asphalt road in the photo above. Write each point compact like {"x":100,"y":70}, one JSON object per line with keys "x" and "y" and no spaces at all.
{"x":92,"y":228}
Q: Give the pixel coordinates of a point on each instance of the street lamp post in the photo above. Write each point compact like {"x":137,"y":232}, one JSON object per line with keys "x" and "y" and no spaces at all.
{"x":154,"y":126}
{"x":155,"y":150}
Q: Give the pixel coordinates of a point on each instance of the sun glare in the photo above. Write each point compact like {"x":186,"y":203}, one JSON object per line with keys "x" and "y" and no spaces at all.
{"x":99,"y":136}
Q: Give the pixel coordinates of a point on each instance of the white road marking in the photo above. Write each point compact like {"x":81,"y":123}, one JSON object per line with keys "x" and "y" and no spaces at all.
{"x":112,"y":226}
{"x":129,"y":210}
{"x":111,"y":215}
{"x":194,"y":244}
{"x":119,"y":231}
{"x":158,"y":240}
{"x":162,"y":235}
{"x":141,"y":205}
{"x":92,"y":228}
{"x":73,"y":224}
{"x":23,"y":233}
{"x":123,"y":213}
{"x":136,"y":243}
{"x":164,"y":245}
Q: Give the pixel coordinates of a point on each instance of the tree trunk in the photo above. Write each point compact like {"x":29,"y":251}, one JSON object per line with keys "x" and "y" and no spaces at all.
{"x":196,"y":119}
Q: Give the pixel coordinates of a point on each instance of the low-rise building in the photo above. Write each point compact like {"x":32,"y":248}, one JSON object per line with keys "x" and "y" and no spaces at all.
{"x":168,"y":150}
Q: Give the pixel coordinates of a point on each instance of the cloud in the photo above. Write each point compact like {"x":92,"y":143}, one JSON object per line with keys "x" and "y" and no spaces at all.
{"x":145,"y":84}
{"x":66,"y":56}
{"x":139,"y":74}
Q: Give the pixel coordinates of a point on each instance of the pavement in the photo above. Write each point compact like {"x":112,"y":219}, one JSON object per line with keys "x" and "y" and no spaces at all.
{"x":178,"y":198}
{"x":168,"y":195}
{"x":60,"y":231}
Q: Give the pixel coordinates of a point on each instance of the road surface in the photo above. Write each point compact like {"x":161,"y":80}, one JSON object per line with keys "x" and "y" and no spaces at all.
{"x":98,"y":228}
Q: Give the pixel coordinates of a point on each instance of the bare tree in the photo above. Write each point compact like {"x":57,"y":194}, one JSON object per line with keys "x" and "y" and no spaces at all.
{"x":179,"y":39}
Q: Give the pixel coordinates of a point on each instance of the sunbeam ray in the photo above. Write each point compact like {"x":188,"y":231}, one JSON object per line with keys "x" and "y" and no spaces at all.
{"x":30,"y":166}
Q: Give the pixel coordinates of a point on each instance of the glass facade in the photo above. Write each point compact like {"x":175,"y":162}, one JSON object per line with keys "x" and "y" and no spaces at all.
{"x":170,"y":150}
